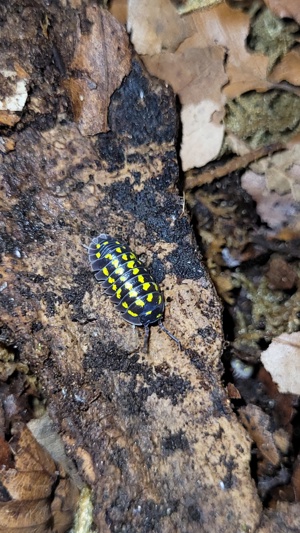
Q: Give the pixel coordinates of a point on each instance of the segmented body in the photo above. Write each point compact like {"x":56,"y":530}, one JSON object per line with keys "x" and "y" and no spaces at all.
{"x":126,"y":280}
{"x":128,"y":283}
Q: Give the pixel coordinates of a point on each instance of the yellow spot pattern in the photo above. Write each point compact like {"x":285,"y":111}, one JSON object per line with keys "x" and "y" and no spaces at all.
{"x":124,"y":274}
{"x":133,"y":294}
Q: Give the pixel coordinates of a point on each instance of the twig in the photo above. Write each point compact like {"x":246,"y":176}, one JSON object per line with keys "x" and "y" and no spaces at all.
{"x":231,"y":166}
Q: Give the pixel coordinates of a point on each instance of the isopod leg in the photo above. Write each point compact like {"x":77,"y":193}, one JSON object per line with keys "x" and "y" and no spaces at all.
{"x":170,"y":334}
{"x":146,"y":339}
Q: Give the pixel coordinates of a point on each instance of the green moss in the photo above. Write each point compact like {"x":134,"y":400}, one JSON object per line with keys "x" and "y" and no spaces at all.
{"x":266,"y":118}
{"x":272,"y":36}
{"x":272,"y":312}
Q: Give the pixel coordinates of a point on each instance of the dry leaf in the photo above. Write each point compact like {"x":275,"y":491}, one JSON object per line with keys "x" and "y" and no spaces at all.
{"x":45,"y":432}
{"x":196,"y":74}
{"x":274,"y":209}
{"x":119,"y":10}
{"x":5,"y":452}
{"x":288,"y":69}
{"x":64,"y":502}
{"x":186,"y":6}
{"x":282,"y":360}
{"x":220,"y":26}
{"x":199,"y":145}
{"x":283,"y":404}
{"x":188,"y":53}
{"x":101,"y":60}
{"x":229,"y":28}
{"x":282,"y":170}
{"x":155,"y":26}
{"x":28,"y":486}
{"x":281,"y":274}
{"x":258,"y":425}
{"x":233,"y":392}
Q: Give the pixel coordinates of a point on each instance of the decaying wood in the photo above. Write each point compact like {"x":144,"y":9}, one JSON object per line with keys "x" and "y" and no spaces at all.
{"x":152,"y":434}
{"x":95,"y":75}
